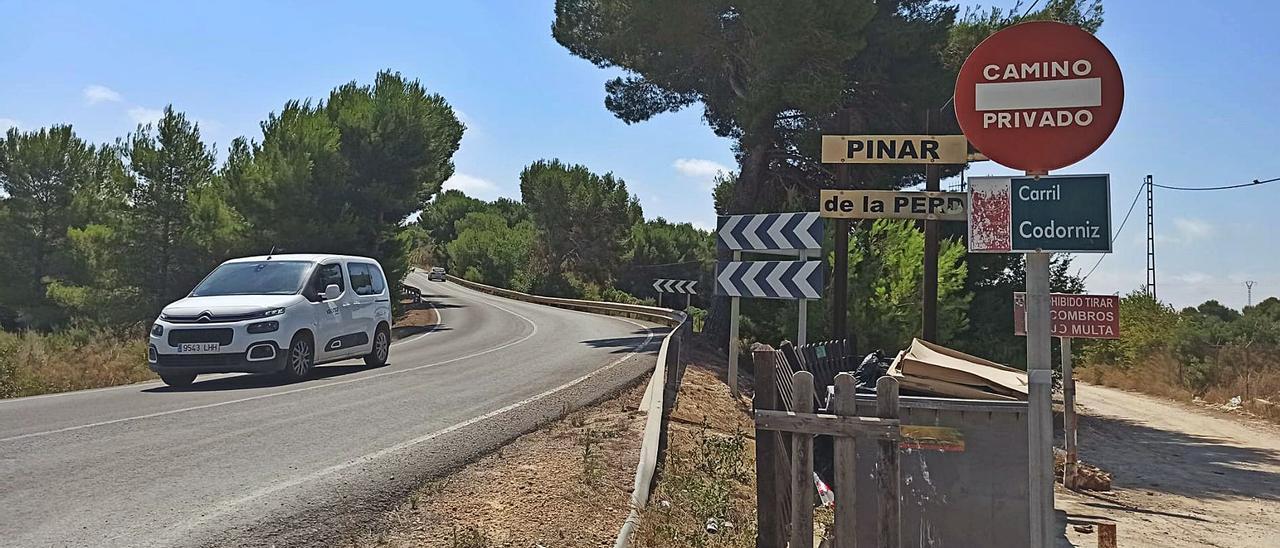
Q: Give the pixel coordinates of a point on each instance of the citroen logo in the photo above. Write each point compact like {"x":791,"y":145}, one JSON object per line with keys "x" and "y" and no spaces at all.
{"x":205,"y":317}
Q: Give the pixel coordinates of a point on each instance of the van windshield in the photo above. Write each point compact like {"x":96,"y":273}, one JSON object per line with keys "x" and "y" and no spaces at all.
{"x":257,"y":278}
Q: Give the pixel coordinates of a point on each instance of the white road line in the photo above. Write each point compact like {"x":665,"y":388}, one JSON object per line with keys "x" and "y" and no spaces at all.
{"x":228,"y":506}
{"x":205,"y":378}
{"x":294,"y":391}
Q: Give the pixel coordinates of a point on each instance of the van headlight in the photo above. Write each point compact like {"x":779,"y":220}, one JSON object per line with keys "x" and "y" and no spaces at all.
{"x":264,"y":327}
{"x":157,"y":330}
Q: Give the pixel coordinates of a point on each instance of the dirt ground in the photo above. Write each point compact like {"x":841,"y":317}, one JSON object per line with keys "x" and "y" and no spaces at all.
{"x":416,"y":318}
{"x":1183,"y":476}
{"x":565,"y":485}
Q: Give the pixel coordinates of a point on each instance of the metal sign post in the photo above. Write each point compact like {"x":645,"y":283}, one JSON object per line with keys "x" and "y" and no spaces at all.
{"x":1069,"y":423}
{"x":1039,"y":413}
{"x":1036,"y":97}
{"x":802,"y":323}
{"x":733,"y":338}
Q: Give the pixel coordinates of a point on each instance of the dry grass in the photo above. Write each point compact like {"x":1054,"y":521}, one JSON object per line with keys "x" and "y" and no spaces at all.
{"x":708,"y":473}
{"x":33,"y":363}
{"x":1257,"y":384}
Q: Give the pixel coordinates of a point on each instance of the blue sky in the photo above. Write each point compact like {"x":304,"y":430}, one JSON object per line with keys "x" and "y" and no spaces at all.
{"x":1201,"y":84}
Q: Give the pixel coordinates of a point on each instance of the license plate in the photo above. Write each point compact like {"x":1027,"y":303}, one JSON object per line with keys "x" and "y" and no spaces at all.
{"x":199,"y":348}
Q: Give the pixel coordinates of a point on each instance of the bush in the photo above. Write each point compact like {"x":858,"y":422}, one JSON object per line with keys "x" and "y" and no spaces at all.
{"x":1208,"y":351}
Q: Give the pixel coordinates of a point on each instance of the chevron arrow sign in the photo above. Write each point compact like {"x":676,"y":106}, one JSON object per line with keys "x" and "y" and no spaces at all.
{"x":771,"y":231}
{"x":770,"y":279}
{"x":675,"y":286}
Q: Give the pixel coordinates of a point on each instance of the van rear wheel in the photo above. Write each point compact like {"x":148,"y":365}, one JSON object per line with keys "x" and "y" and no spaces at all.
{"x":381,"y":348}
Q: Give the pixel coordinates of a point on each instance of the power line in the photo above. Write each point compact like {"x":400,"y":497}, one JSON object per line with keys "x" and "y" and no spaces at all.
{"x":1255,"y":182}
{"x":1225,"y":187}
{"x":1029,"y":8}
{"x":1115,"y":237}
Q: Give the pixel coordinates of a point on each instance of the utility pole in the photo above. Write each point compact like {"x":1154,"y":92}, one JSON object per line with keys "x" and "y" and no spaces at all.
{"x":1151,"y":239}
{"x":1249,"y":287}
{"x":930,"y":286}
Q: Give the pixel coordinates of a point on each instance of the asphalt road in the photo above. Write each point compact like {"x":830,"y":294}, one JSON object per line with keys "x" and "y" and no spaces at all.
{"x":243,"y":460}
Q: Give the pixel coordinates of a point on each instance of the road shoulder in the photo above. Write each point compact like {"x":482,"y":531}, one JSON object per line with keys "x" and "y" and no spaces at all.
{"x":567,"y":483}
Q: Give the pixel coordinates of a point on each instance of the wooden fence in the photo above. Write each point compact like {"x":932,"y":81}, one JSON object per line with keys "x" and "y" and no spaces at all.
{"x":785,"y":425}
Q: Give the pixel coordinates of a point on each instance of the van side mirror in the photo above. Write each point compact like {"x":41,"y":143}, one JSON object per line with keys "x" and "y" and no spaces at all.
{"x":331,"y":292}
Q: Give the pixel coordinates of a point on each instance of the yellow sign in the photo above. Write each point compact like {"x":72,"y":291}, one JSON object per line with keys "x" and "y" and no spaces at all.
{"x":932,"y":438}
{"x":894,"y":149}
{"x":893,"y":204}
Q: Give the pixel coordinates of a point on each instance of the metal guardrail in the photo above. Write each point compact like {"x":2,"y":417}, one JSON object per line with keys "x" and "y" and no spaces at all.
{"x":659,"y":396}
{"x":664,"y":316}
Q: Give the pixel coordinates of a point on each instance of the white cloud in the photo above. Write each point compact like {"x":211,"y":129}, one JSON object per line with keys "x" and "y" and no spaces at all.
{"x":95,"y":94}
{"x":471,"y":185}
{"x":6,"y":123}
{"x":143,"y":115}
{"x":1190,"y":278}
{"x":1192,"y":229}
{"x":701,"y":225}
{"x":697,"y":168}
{"x":1184,"y":231}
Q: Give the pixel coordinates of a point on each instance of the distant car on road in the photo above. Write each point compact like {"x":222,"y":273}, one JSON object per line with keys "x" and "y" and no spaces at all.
{"x":436,"y":274}
{"x":275,"y":314}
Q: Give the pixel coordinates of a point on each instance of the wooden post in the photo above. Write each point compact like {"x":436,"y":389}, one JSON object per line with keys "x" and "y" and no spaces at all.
{"x":1070,"y":422}
{"x":888,"y":479}
{"x":846,"y":473}
{"x":802,"y":466}
{"x":840,"y":282}
{"x":1106,"y":535}
{"x":929,"y":324}
{"x":769,"y":529}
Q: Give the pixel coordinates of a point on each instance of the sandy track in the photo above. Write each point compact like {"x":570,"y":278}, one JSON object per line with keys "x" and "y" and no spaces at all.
{"x":1183,"y":476}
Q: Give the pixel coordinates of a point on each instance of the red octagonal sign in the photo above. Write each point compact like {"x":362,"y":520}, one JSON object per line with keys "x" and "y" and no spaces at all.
{"x":1039,"y":96}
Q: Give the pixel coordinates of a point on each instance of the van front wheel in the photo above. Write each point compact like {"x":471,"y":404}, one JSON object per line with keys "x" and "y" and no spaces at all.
{"x":301,"y":357}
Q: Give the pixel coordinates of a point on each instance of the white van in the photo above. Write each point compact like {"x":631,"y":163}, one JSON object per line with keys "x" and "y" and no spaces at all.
{"x":275,"y":314}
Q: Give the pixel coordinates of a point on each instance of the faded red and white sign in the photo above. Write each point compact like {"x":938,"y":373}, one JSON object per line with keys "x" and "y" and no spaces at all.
{"x":1074,"y":316}
{"x":990,"y":229}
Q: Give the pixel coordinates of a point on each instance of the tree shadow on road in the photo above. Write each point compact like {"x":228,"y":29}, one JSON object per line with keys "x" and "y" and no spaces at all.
{"x":243,"y":382}
{"x":1141,"y":457}
{"x":404,"y":331}
{"x":628,"y":344}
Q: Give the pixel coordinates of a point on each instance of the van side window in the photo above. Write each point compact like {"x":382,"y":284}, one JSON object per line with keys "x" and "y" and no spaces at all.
{"x":329,"y":274}
{"x":379,"y":283}
{"x":361,"y":280}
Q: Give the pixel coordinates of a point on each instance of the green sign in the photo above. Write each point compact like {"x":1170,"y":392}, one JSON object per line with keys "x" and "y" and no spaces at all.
{"x":1061,"y":213}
